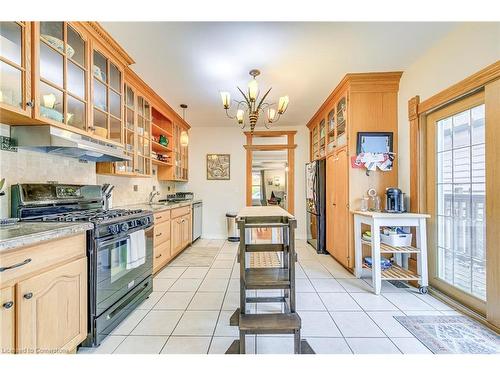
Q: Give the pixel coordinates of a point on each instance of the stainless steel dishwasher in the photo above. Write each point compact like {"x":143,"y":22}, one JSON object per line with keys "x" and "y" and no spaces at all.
{"x":197,"y":218}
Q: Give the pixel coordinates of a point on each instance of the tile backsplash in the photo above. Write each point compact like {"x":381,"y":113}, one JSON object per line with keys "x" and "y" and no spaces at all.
{"x":29,"y":166}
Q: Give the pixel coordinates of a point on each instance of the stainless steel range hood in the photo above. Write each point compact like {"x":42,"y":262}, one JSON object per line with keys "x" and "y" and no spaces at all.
{"x":53,"y":140}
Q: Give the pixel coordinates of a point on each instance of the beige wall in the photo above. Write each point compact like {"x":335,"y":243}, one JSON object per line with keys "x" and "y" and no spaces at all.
{"x":220,"y":197}
{"x":464,"y":51}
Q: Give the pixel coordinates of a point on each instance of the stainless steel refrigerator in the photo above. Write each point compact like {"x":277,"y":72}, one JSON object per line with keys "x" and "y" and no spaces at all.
{"x":315,"y":204}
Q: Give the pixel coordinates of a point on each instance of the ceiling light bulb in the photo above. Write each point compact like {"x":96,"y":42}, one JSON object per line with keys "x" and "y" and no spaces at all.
{"x":253,"y":89}
{"x":184,"y":139}
{"x":226,"y":99}
{"x":271,"y":114}
{"x":283,"y":104}
{"x":239,"y":116}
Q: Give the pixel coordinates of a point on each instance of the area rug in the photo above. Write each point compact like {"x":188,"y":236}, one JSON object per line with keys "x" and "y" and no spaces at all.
{"x":452,"y":334}
{"x":196,"y":257}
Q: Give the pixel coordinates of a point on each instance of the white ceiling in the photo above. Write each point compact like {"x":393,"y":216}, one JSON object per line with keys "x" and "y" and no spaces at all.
{"x":191,"y":63}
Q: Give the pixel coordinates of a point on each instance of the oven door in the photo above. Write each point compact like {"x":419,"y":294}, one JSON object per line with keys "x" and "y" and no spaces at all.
{"x":114,"y":280}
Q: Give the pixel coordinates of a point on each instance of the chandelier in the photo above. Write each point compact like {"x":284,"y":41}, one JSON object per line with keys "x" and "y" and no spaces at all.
{"x":253,"y":107}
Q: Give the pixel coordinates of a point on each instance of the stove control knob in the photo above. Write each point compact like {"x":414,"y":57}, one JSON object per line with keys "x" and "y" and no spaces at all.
{"x":124,"y":227}
{"x":114,"y":229}
{"x":144,"y":221}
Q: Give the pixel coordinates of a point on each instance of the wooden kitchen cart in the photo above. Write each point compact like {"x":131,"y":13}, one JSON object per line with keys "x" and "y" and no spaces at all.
{"x":378,"y":220}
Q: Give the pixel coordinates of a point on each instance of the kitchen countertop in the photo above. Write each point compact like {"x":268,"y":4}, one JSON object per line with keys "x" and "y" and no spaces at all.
{"x":156,"y":207}
{"x":31,"y":233}
{"x":263,"y":211}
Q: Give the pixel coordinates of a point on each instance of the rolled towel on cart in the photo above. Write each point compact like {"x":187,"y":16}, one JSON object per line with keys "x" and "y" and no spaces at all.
{"x":384,"y":262}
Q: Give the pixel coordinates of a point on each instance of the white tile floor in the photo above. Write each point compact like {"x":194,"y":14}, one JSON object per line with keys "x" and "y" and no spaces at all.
{"x":189,"y":309}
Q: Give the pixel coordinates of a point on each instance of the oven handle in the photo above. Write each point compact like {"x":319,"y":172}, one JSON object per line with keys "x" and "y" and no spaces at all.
{"x":112,"y":240}
{"x":127,"y":236}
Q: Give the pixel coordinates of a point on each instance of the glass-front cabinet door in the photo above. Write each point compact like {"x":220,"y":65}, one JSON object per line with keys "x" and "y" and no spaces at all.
{"x":136,"y":134}
{"x":143,"y":136}
{"x":126,"y":167}
{"x":340,"y":133}
{"x":107,"y":93}
{"x":15,"y":90}
{"x":62,"y":95}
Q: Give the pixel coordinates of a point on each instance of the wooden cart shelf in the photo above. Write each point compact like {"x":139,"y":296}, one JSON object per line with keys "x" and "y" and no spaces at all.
{"x":396,"y":273}
{"x":385,"y":248}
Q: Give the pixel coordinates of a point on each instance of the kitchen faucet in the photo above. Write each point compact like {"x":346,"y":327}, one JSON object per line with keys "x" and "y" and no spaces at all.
{"x":152,"y":195}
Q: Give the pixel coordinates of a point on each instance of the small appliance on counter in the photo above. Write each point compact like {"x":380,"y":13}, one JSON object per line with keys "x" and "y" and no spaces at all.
{"x":394,"y":200}
{"x":180,"y":196}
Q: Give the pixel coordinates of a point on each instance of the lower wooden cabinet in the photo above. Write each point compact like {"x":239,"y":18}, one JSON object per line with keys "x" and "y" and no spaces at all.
{"x":52,"y":309}
{"x":162,"y":254}
{"x":43,"y":305}
{"x":172,"y":235}
{"x":7,"y":320}
{"x":176,"y":235}
{"x":186,"y":230}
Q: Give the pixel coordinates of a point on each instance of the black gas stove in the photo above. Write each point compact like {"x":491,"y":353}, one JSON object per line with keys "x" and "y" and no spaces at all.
{"x":95,"y":216}
{"x":107,"y":222}
{"x":115,"y":286}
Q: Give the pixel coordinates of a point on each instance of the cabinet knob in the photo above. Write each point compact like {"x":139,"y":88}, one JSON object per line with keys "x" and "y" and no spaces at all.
{"x":28,"y":295}
{"x":8,"y":305}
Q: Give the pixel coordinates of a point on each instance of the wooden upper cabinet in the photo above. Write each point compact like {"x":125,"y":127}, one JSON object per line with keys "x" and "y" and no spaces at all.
{"x":328,"y":130}
{"x":136,"y":136}
{"x":107,"y":97}
{"x":61,"y":66}
{"x":15,"y":70}
{"x":52,"y":309}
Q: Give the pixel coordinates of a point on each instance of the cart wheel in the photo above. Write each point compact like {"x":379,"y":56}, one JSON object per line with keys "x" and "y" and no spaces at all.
{"x":422,"y":290}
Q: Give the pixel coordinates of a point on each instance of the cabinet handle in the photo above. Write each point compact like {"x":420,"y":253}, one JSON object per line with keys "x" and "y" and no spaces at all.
{"x":30,"y":104}
{"x":26,"y":261}
{"x":28,"y":295}
{"x":159,"y":217}
{"x":8,"y":305}
{"x":159,"y":256}
{"x":159,"y":234}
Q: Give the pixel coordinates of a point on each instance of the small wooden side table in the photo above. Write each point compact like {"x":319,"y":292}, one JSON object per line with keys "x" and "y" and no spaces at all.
{"x":377,"y":220}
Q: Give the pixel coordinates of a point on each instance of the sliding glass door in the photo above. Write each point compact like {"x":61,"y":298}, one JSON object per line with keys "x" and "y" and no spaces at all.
{"x":456,"y":199}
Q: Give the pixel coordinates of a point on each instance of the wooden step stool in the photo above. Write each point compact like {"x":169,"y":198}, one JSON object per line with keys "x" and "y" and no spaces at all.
{"x":283,"y":278}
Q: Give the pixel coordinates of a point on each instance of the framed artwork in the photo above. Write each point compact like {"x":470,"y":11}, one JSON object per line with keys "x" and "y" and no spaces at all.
{"x":218,"y":167}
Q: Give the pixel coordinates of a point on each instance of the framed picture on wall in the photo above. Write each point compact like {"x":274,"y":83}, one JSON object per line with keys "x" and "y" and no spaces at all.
{"x":218,"y":167}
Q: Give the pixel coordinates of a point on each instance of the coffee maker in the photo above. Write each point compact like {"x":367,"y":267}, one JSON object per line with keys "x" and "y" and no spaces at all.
{"x":394,"y":200}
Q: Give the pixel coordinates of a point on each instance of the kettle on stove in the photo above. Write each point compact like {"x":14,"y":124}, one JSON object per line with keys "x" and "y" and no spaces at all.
{"x":394,"y":200}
